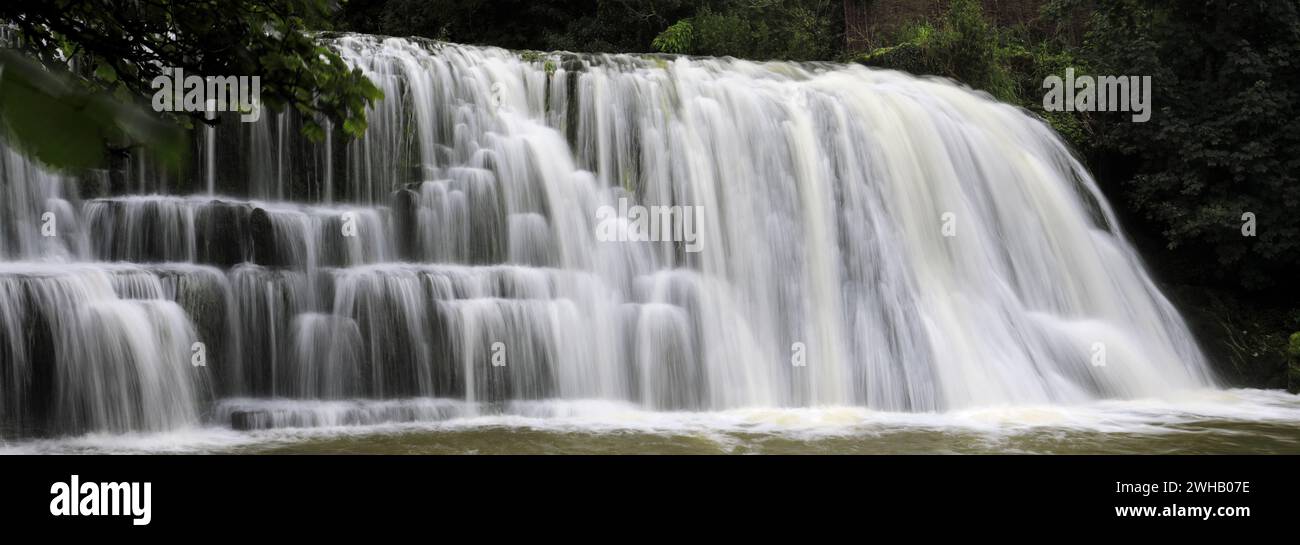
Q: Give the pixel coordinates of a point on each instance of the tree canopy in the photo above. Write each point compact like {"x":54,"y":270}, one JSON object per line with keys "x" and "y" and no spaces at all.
{"x":1224,"y":139}
{"x":91,"y":50}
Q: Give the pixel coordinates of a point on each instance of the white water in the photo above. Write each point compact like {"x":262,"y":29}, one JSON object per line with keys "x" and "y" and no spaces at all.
{"x":824,"y":191}
{"x":1177,"y":423}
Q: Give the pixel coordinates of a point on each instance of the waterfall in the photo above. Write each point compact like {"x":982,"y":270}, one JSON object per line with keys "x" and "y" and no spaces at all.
{"x":867,"y":238}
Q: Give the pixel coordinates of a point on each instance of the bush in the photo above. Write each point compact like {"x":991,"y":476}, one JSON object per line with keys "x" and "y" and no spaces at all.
{"x":1008,"y":63}
{"x":677,"y":39}
{"x":798,"y":30}
{"x":1223,"y":138}
{"x":962,"y":45}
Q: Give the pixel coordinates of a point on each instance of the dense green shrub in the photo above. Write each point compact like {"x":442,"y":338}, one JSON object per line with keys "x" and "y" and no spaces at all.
{"x":677,"y":39}
{"x":73,"y":82}
{"x":1223,"y":139}
{"x":961,"y":45}
{"x":1008,"y":63}
{"x":795,"y":30}
{"x":607,"y":26}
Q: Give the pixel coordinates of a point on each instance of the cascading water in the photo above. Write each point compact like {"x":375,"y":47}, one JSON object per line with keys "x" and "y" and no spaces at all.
{"x":473,"y":281}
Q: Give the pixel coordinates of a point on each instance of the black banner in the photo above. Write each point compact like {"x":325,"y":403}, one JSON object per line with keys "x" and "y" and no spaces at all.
{"x":306,"y":495}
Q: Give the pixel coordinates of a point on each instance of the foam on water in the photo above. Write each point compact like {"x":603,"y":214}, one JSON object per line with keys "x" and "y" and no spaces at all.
{"x":1190,"y":414}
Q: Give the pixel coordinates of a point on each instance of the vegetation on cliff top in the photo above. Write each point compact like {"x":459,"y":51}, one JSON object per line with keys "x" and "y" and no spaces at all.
{"x":98,"y":58}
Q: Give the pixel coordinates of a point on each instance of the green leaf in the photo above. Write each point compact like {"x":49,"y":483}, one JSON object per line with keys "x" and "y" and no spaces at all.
{"x":106,"y":73}
{"x":63,"y":126}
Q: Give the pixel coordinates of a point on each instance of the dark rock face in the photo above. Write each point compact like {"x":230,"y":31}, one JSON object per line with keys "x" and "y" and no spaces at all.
{"x":168,"y":230}
{"x":1241,"y":341}
{"x":204,"y":301}
{"x":262,"y":234}
{"x":1293,"y":368}
{"x":27,"y":381}
{"x":250,"y":420}
{"x":221,"y":239}
{"x":405,"y":202}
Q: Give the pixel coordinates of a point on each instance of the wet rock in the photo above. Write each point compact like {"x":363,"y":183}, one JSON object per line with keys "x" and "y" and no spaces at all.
{"x":405,"y":202}
{"x":250,"y":420}
{"x":262,"y":234}
{"x":221,"y":240}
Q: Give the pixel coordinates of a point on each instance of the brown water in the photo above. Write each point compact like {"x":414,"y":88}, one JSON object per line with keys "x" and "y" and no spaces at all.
{"x":1193,"y":438}
{"x":1204,"y":422}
